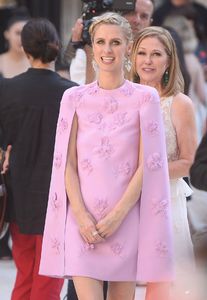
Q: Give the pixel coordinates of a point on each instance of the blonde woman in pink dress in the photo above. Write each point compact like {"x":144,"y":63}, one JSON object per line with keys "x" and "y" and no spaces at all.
{"x":155,"y":63}
{"x":108,"y":215}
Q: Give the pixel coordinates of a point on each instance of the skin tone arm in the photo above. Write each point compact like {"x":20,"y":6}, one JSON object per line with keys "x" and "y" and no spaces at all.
{"x":108,"y":225}
{"x":86,"y":222}
{"x":183,"y":119}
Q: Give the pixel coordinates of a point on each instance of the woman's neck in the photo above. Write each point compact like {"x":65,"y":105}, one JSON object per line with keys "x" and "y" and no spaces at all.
{"x":15,"y":55}
{"x":155,"y":85}
{"x":110,"y":81}
{"x":38,"y":64}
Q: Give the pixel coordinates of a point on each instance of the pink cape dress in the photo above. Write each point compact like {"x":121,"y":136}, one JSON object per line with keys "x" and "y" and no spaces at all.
{"x":109,"y":123}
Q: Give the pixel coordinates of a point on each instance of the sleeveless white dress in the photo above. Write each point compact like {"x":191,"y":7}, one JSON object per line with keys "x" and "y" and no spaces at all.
{"x":183,"y":247}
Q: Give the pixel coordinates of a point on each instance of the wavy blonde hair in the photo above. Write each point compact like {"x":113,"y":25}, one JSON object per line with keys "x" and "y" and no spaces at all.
{"x":176,"y":81}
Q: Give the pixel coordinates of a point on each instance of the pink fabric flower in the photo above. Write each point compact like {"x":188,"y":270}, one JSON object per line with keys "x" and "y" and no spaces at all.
{"x":86,"y":165}
{"x":62,"y":126}
{"x":154,"y":161}
{"x":57,"y":160}
{"x":111,"y":105}
{"x":105,"y":149}
{"x":153,"y":128}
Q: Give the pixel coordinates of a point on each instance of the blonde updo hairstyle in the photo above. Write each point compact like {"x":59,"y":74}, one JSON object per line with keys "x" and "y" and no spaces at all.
{"x":176,"y":81}
{"x":111,"y":18}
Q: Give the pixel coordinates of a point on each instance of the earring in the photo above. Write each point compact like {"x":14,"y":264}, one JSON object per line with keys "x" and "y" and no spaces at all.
{"x":166,"y":77}
{"x":94,"y":65}
{"x":136,"y":78}
{"x":127,"y":64}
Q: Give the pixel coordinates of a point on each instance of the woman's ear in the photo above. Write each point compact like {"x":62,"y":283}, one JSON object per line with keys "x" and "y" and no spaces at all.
{"x":6,"y":34}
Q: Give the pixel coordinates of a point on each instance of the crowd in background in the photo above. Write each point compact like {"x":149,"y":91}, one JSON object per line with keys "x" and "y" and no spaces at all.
{"x":187,"y":22}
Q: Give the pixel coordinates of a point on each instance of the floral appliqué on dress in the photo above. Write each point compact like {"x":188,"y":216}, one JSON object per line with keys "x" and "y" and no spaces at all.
{"x":154,"y":161}
{"x":123,"y":169}
{"x":152,"y":128}
{"x":86,"y":165}
{"x":57,"y":160}
{"x":55,"y":245}
{"x":117,"y":249}
{"x":62,"y":126}
{"x":55,"y":203}
{"x":160,"y":207}
{"x":105,"y":149}
{"x":161,"y":248}
{"x":110,"y":105}
{"x":100,"y":208}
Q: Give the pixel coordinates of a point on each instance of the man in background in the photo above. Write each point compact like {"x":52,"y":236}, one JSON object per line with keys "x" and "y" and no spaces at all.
{"x":79,"y":53}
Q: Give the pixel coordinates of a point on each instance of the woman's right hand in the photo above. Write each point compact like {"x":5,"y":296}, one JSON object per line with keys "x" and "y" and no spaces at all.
{"x":5,"y":166}
{"x":87,"y":228}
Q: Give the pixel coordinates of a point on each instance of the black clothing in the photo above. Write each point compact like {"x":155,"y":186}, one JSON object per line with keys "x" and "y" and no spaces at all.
{"x":71,"y":293}
{"x":198,"y":171}
{"x":29,"y":108}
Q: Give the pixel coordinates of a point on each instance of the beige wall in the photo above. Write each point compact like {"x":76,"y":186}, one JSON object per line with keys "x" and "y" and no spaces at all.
{"x":70,"y":10}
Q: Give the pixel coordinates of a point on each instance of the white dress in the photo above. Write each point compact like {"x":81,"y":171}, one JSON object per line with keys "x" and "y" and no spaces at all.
{"x":183,"y":247}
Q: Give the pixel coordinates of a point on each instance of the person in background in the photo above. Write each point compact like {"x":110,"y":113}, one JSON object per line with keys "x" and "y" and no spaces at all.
{"x":93,"y":233}
{"x":12,"y":62}
{"x":177,"y":7}
{"x":80,"y":54}
{"x":198,"y":170}
{"x":196,"y":13}
{"x":62,"y":67}
{"x":29,"y":107}
{"x":197,"y":92}
{"x":155,"y":63}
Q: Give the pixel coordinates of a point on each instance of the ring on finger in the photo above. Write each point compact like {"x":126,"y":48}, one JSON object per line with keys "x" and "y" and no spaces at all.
{"x":94,"y":233}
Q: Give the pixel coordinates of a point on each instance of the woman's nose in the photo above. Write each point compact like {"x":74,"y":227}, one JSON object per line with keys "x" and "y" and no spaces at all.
{"x":107,"y":48}
{"x":148,"y":59}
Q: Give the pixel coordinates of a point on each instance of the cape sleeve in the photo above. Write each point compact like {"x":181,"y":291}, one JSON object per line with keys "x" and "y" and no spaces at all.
{"x":52,"y":256}
{"x":155,"y":251}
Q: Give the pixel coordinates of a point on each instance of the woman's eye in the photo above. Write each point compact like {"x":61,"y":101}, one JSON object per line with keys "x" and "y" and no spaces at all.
{"x":157,"y":54}
{"x":100,"y":42}
{"x":140,"y":53}
{"x":116,"y":42}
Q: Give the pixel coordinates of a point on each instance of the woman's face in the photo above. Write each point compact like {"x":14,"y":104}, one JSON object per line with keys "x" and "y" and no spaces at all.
{"x":109,"y":48}
{"x":13,"y":36}
{"x":151,"y":61}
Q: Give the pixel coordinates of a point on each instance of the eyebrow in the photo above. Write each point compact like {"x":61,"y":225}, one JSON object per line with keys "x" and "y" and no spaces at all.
{"x":142,"y":48}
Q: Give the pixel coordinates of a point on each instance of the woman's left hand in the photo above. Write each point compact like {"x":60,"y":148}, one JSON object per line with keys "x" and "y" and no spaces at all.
{"x":109,"y":224}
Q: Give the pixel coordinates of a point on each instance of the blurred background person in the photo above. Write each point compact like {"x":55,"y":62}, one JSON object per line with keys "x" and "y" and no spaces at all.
{"x":29,"y":108}
{"x":197,"y":13}
{"x":198,"y":179}
{"x":79,"y":53}
{"x":197,"y":92}
{"x":155,"y":63}
{"x":12,"y":62}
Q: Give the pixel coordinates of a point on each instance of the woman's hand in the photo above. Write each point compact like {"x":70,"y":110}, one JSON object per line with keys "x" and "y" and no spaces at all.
{"x":87,"y":228}
{"x":109,"y":224}
{"x":5,"y":166}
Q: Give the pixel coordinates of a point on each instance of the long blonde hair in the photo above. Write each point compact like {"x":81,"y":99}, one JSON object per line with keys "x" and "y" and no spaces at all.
{"x":176,"y":81}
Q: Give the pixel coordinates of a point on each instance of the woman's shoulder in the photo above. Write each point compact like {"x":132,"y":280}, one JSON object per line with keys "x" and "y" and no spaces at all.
{"x":182,"y":100}
{"x":182,"y":104}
